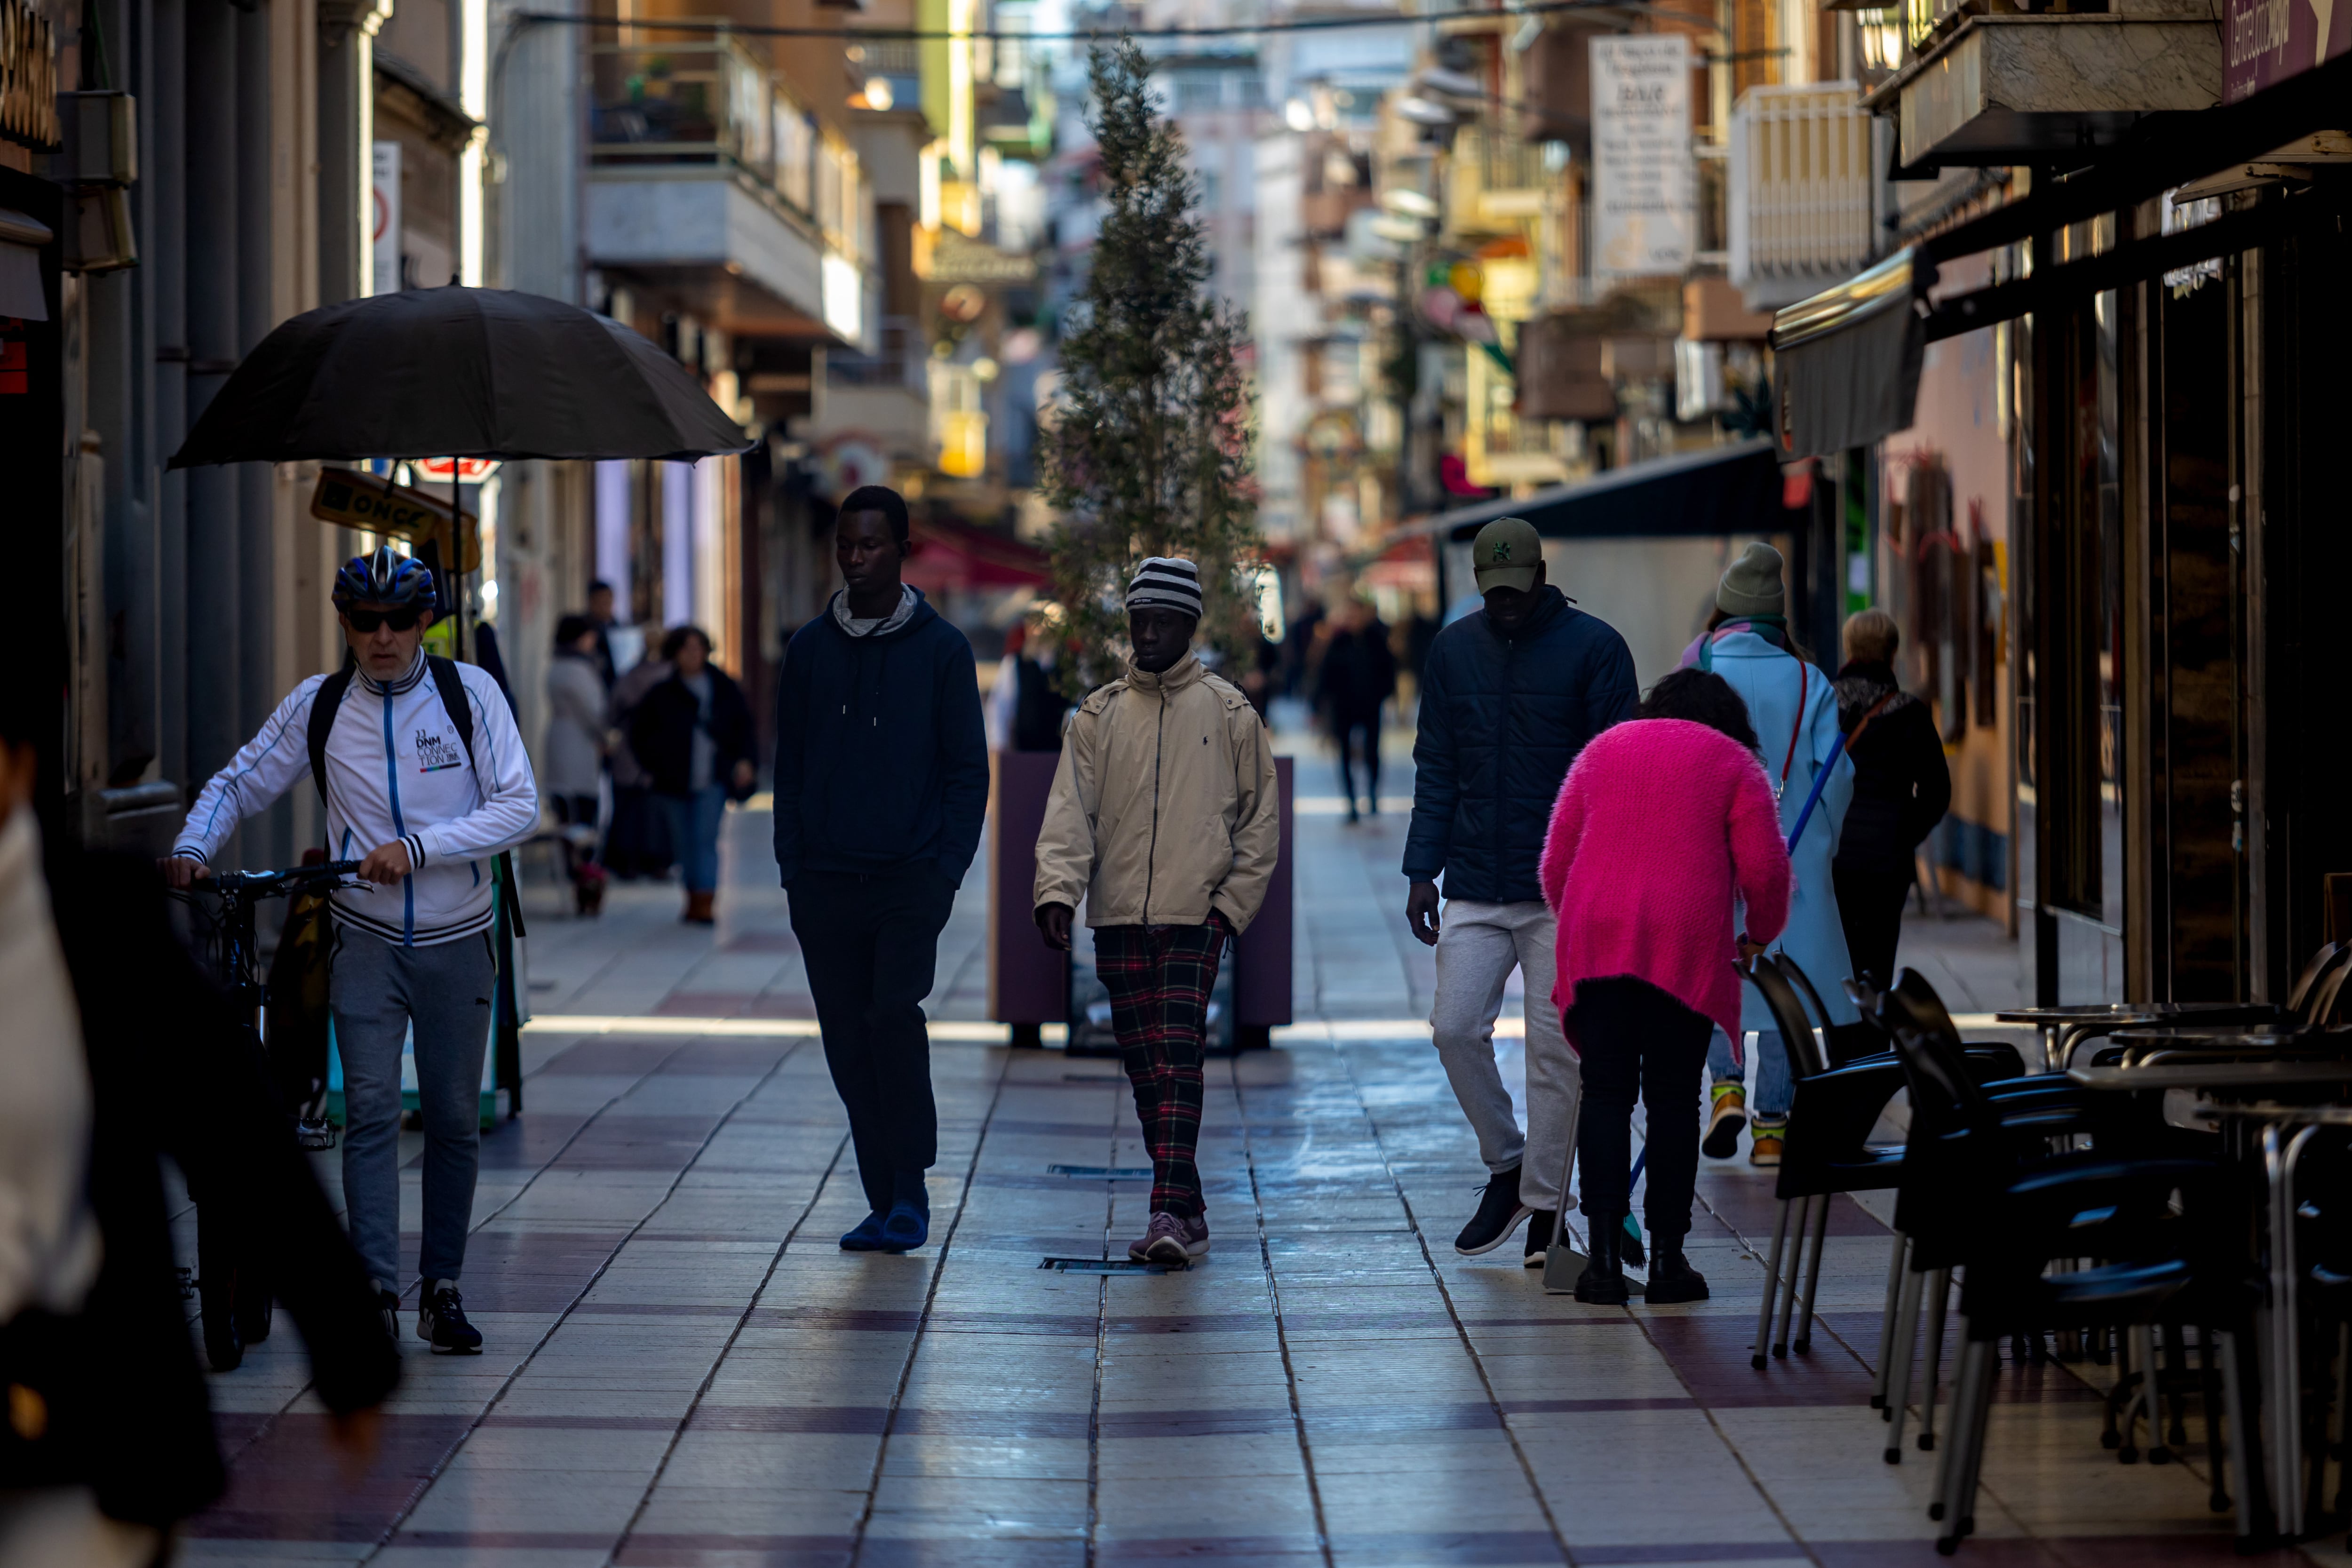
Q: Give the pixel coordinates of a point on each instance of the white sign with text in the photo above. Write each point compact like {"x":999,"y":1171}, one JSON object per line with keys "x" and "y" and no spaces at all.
{"x":1645,"y":182}
{"x":387,"y":251}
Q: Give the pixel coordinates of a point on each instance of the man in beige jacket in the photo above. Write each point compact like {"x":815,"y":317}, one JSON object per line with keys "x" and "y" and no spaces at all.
{"x":1165,"y":818}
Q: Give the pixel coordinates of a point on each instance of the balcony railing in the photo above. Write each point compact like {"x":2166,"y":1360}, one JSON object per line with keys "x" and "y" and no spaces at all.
{"x":901,"y":364}
{"x":715,"y":103}
{"x":1801,"y":189}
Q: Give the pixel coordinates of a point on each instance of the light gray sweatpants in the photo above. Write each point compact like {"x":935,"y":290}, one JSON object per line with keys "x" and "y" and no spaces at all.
{"x":1478,"y":945}
{"x":377,"y":989}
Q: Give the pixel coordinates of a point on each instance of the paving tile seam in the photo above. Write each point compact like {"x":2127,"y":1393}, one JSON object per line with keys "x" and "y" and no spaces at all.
{"x":930,"y":1297}
{"x":1102,"y":1345}
{"x":742,"y":1320}
{"x":1281,"y":1333}
{"x":261,"y":1428}
{"x":440,"y":1467}
{"x":1437,"y":1276}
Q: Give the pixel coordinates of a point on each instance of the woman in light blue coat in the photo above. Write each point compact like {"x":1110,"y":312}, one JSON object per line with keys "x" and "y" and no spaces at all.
{"x":1794,"y":712}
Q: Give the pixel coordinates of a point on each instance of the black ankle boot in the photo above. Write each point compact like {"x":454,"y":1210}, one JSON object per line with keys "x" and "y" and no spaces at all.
{"x":1672,"y":1278}
{"x":1603,"y":1283}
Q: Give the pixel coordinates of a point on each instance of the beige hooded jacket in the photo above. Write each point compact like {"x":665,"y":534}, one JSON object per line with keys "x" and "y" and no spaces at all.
{"x":1165,"y":806}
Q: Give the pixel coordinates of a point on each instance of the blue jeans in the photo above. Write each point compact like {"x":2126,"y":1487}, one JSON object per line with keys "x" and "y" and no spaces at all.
{"x":1771,"y":1086}
{"x":693,"y":821}
{"x":379,"y":992}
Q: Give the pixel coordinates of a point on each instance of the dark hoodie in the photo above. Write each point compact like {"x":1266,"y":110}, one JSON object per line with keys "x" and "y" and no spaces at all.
{"x":1901,"y":785}
{"x":881,"y":758}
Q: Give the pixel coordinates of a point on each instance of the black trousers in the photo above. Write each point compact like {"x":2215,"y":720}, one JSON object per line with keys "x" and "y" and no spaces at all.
{"x":1634,"y":1038}
{"x":1352,"y":730}
{"x":871,"y":944}
{"x":1870,"y":908}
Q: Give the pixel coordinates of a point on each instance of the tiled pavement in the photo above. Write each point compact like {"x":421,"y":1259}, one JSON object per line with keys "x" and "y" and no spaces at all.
{"x":683,"y":1369}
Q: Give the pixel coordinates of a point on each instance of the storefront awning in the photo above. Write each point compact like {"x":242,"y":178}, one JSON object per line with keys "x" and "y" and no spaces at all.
{"x":1721,"y":490}
{"x":1846,"y":362}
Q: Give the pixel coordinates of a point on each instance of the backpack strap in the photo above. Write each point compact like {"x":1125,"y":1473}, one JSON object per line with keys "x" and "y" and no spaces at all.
{"x":445,"y":681}
{"x":324,"y":707}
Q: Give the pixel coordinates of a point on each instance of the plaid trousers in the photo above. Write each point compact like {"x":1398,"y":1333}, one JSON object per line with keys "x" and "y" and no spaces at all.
{"x":1159,"y":978}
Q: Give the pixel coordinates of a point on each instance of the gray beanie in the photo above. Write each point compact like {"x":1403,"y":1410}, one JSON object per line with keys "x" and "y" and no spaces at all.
{"x":1752,"y":585}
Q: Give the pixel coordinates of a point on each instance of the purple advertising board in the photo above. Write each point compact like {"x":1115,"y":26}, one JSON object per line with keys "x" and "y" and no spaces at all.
{"x":2267,"y":41}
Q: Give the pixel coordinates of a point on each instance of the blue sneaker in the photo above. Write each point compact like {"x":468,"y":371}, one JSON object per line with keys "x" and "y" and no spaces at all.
{"x":866,"y":1237}
{"x":907,"y":1229}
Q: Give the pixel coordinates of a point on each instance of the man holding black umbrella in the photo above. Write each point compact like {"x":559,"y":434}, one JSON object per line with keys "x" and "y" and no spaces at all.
{"x":424,"y":780}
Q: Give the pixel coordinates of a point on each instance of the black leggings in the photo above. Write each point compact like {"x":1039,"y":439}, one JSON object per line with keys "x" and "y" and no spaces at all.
{"x":1634,"y":1037}
{"x":1870,"y":909}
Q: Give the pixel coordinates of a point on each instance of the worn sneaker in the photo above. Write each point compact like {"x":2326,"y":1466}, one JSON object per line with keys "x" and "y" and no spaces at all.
{"x":1725,"y":1121}
{"x":865,"y":1236}
{"x":1764,"y":1148}
{"x":441,"y":1322}
{"x":1172,"y":1241}
{"x":1499,"y":1213}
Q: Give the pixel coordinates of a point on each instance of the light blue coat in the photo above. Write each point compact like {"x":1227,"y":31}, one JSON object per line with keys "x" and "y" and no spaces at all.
{"x":1767,"y":678}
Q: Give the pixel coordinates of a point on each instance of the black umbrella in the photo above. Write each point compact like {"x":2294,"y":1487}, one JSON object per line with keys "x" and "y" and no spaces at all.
{"x":457,"y":373}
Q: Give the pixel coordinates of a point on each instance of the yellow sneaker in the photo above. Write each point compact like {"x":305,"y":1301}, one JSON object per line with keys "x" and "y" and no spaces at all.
{"x":1725,"y":1121}
{"x":1764,"y":1148}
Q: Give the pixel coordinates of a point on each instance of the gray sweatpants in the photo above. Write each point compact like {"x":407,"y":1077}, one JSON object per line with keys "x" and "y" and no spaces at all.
{"x":1478,"y":945}
{"x":378,"y":989}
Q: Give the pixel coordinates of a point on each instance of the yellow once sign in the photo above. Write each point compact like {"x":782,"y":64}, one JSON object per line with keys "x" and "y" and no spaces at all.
{"x":352,"y":500}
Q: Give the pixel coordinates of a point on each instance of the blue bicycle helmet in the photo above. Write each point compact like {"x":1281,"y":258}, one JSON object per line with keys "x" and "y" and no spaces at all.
{"x":385,"y":576}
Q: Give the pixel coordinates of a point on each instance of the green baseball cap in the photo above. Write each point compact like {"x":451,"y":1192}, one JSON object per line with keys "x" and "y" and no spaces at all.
{"x":1506,"y":554}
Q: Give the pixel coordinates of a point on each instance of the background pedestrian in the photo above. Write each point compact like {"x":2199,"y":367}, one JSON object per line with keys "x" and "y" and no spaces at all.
{"x":1172,"y":847}
{"x":1901,"y":787}
{"x":637,"y":840}
{"x":1509,"y":695}
{"x":1356,"y":679}
{"x":881,"y":783}
{"x":1664,"y":823}
{"x":578,"y":721}
{"x":692,"y":734}
{"x":1794,"y":714}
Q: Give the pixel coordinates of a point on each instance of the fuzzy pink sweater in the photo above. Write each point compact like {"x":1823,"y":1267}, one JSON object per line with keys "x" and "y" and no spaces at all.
{"x":1659,"y":826}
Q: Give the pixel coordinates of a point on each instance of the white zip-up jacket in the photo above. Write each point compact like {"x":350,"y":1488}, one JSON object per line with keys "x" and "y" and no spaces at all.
{"x":394,"y":770}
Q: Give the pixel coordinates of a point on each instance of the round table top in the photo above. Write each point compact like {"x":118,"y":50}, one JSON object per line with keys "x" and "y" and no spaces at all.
{"x":2091,"y":1011}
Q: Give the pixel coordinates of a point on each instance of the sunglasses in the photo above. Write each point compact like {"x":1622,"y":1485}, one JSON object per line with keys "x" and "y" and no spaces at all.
{"x":401,"y":620}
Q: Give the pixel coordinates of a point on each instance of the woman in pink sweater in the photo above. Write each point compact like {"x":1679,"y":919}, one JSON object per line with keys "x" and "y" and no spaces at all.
{"x":1663,"y":821}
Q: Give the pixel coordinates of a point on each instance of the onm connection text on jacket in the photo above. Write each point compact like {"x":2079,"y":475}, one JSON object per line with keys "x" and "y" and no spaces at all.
{"x":1501,"y":720}
{"x":1164,"y":805}
{"x":396,"y":768}
{"x":881,"y":756}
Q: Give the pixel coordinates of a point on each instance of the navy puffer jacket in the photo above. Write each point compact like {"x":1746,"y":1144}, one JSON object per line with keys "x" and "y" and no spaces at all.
{"x":1501,"y":720}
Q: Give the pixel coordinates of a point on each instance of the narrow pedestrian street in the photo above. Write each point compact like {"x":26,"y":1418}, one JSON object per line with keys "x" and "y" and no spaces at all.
{"x":682,"y":1369}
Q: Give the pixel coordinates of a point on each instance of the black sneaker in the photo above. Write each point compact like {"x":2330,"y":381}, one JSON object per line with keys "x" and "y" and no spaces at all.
{"x":441,"y":1322}
{"x":1539,"y":1224}
{"x":1499,"y":1213}
{"x":388,"y":1303}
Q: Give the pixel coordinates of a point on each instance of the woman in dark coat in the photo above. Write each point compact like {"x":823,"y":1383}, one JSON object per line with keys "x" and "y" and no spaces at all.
{"x":1901,"y":790}
{"x":693,"y":735}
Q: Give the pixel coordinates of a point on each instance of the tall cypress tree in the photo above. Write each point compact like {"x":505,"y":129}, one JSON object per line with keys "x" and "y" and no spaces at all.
{"x":1150,"y":449}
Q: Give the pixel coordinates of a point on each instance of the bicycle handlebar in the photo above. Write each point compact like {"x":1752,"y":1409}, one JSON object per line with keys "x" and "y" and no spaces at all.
{"x":272,"y":884}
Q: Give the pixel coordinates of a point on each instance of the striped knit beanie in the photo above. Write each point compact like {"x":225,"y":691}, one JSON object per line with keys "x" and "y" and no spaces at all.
{"x":1165,"y":583}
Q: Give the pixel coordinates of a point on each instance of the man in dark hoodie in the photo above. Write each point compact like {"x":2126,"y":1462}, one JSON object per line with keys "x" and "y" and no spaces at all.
{"x":1509,"y":695}
{"x":881,"y":782}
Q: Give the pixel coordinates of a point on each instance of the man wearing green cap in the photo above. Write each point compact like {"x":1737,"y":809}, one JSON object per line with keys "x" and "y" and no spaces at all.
{"x":1509,"y":695}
